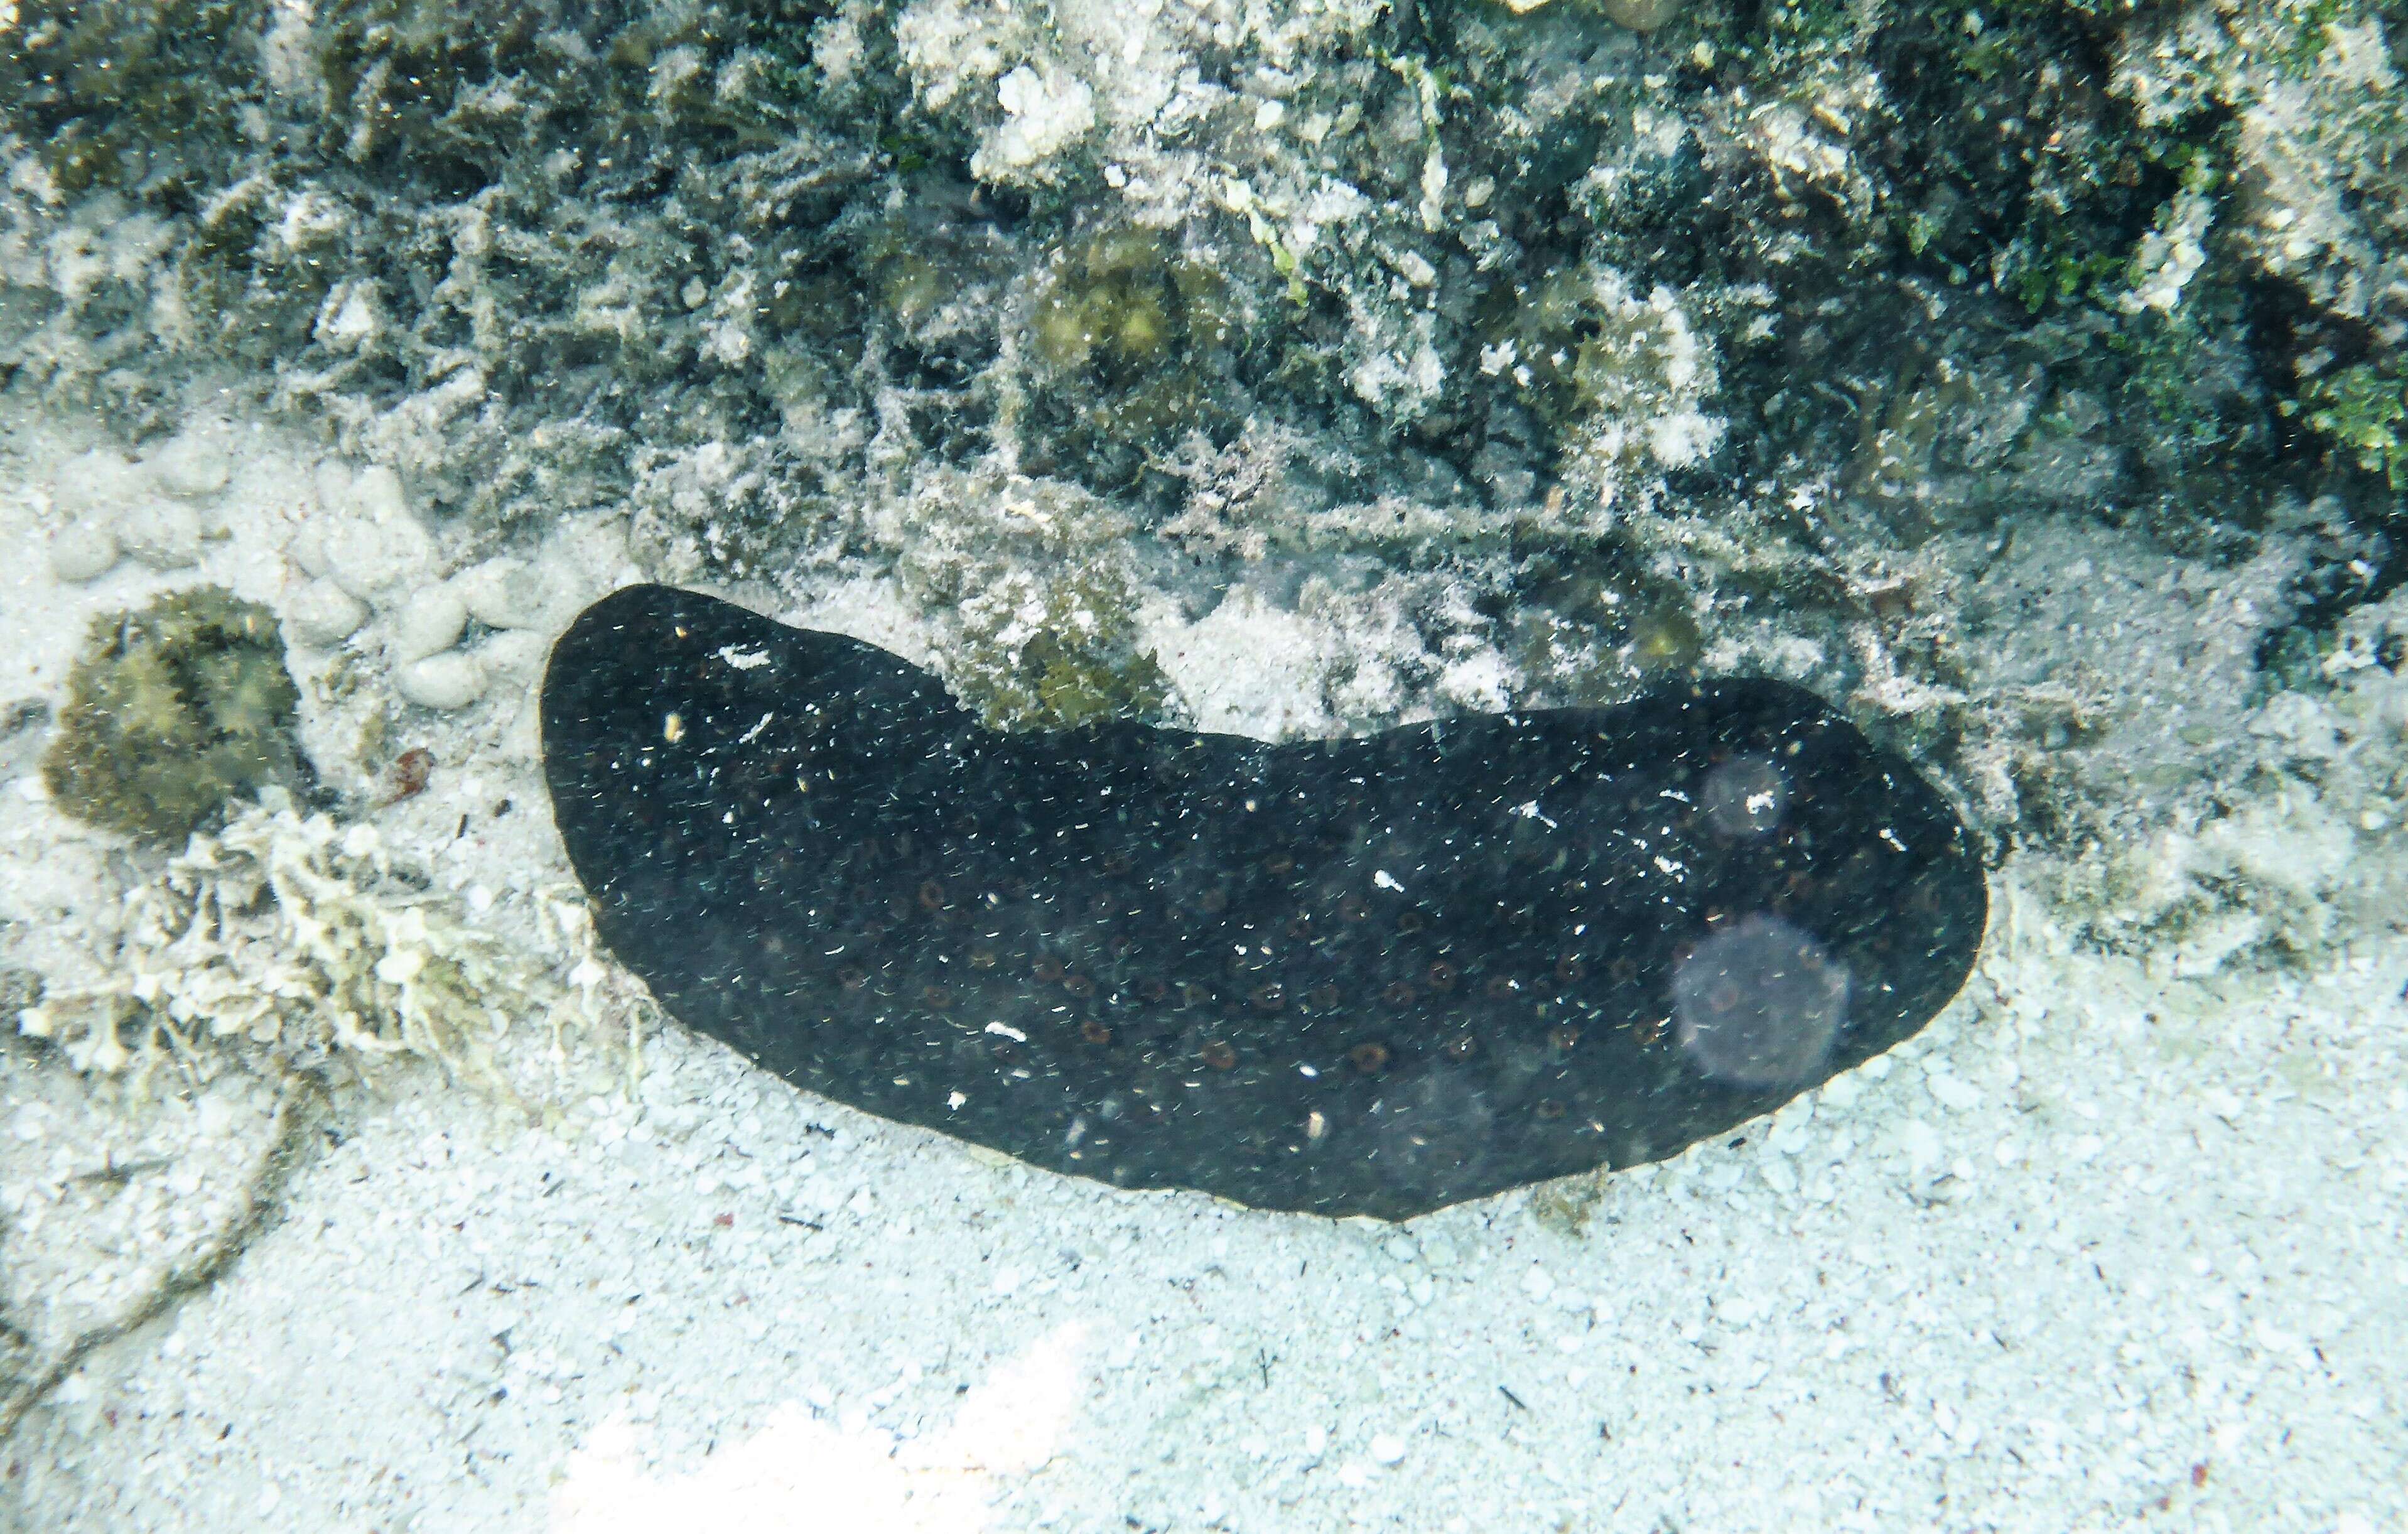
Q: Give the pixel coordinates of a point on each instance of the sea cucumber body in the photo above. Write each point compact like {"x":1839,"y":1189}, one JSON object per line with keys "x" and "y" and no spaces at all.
{"x":1372,"y":976}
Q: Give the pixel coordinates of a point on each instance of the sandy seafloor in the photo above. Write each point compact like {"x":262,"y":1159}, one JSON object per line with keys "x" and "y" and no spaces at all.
{"x":2101,"y":1249}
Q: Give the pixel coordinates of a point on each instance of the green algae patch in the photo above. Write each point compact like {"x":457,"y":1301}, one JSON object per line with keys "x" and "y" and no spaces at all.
{"x":172,"y":711}
{"x":2364,"y":411}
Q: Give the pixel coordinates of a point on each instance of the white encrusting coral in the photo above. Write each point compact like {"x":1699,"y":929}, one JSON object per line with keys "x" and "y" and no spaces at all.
{"x":2170,"y":256}
{"x":1043,"y":113}
{"x":305,"y":935}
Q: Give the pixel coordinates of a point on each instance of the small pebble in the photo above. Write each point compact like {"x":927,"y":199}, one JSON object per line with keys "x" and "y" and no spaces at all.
{"x":431,"y":620}
{"x":191,"y":466}
{"x":369,"y":559}
{"x":1949,"y":1091}
{"x":518,"y":654}
{"x":376,"y":493}
{"x":82,"y":551}
{"x":1388,"y":1449}
{"x":165,"y":535}
{"x":307,"y":550}
{"x":333,"y":480}
{"x":449,"y":681}
{"x":96,"y":483}
{"x":322,"y":613}
{"x":508,"y":593}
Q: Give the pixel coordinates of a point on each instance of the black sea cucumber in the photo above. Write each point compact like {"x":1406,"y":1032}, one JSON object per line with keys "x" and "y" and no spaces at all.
{"x":1371,"y":976}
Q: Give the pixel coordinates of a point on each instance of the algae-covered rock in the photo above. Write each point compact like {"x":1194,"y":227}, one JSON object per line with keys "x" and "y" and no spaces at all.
{"x":172,"y":711}
{"x":1621,"y":373}
{"x":1054,"y":650}
{"x":1041,"y":598}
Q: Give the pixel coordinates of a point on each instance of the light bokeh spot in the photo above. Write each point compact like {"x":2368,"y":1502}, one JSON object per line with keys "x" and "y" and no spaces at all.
{"x":1758,"y":1003}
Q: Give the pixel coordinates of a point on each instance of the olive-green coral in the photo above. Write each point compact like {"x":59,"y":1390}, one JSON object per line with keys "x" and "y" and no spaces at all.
{"x":1129,"y":335}
{"x":172,"y":711}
